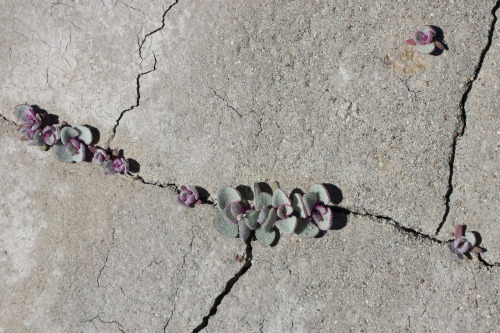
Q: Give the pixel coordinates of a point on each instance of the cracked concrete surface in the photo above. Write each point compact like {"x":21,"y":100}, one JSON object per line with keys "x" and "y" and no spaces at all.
{"x":225,"y":93}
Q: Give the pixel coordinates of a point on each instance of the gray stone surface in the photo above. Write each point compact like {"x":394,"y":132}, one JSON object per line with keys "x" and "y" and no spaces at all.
{"x":384,"y":281}
{"x":235,"y":92}
{"x":476,"y":186}
{"x":85,"y":252}
{"x":77,"y":59}
{"x":308,"y":92}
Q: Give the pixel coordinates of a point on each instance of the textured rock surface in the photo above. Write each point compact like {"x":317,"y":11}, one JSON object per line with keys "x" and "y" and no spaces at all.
{"x":233,"y":92}
{"x":386,"y":280}
{"x":476,"y":178}
{"x":81,"y":251}
{"x":306,"y":93}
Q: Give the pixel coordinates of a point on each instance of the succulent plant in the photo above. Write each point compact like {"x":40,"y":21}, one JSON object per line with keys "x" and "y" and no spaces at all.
{"x":314,"y":213}
{"x":72,"y":147}
{"x":30,"y":120}
{"x":100,"y":155}
{"x":188,"y":197}
{"x":424,"y":40}
{"x":115,"y":164}
{"x":465,"y":242}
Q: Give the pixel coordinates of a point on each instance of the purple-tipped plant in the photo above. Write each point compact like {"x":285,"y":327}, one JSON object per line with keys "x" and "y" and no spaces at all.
{"x":30,"y":120}
{"x":465,"y":242}
{"x":115,"y":164}
{"x":72,"y":147}
{"x":189,"y":196}
{"x":424,"y":40}
{"x":100,"y":156}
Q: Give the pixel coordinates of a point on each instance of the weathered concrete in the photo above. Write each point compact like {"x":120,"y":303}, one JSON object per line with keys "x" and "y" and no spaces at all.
{"x":384,"y":281}
{"x":81,"y":251}
{"x":476,"y":177}
{"x":306,"y":93}
{"x":234,"y":92}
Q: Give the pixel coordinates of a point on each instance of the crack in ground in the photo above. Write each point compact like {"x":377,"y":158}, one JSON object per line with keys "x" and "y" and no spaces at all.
{"x":227,"y":103}
{"x":114,"y":322}
{"x":8,"y":120}
{"x":141,"y":44}
{"x":463,"y":118}
{"x":137,"y":102}
{"x":229,"y":286}
{"x":107,"y":257}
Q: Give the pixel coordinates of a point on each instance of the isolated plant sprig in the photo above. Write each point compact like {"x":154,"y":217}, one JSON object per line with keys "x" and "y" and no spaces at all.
{"x":465,"y":242}
{"x":424,"y":40}
{"x":70,"y":143}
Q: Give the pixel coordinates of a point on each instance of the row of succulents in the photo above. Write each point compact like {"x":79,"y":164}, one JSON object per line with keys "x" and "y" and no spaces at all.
{"x":69,"y":143}
{"x":268,"y":213}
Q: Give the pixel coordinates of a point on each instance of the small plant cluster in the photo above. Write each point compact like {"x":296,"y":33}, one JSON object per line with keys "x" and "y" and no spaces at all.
{"x":465,"y":242}
{"x":70,"y":143}
{"x":424,"y":40}
{"x":267,"y":213}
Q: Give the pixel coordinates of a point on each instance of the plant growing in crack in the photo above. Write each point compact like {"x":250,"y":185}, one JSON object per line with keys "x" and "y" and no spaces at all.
{"x":70,"y":143}
{"x":465,"y":242}
{"x":267,"y":213}
{"x":188,"y":196}
{"x":424,"y":39}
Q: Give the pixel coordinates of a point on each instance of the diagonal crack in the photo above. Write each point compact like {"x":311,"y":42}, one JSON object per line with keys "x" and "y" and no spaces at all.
{"x":138,"y":78}
{"x":227,"y":289}
{"x":463,"y":117}
{"x":138,"y":100}
{"x":106,"y":259}
{"x":7,"y":120}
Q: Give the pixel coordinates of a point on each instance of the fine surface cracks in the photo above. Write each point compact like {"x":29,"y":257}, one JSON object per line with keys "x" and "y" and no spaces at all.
{"x":462,"y":117}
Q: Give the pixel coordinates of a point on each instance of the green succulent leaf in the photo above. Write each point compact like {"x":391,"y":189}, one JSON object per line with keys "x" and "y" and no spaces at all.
{"x":38,"y":138}
{"x":244,"y":230}
{"x":266,"y":238}
{"x":61,"y":154}
{"x":426,"y":49}
{"x":298,"y":205}
{"x":306,"y":229}
{"x":20,"y":110}
{"x":263,"y":200}
{"x":256,"y":190}
{"x":229,"y":216}
{"x":226,"y":228}
{"x":80,"y":155}
{"x":287,"y":226}
{"x":85,"y":134}
{"x":263,"y":215}
{"x":275,"y":185}
{"x":271,"y":219}
{"x":226,"y":195}
{"x":251,"y":219}
{"x":471,"y":238}
{"x":310,"y":199}
{"x":68,"y":133}
{"x":322,"y":193}
{"x":280,"y":198}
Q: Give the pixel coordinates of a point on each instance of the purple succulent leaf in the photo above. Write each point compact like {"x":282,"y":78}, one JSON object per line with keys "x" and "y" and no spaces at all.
{"x":453,"y":252}
{"x":80,"y":155}
{"x":92,"y":149}
{"x":237,"y":209}
{"x":68,"y":133}
{"x":327,"y":220}
{"x":316,"y":217}
{"x":459,"y":231}
{"x":61,"y":153}
{"x":439,"y":45}
{"x":462,"y":245}
{"x":476,"y":249}
{"x":85,"y":135}
{"x":51,"y":134}
{"x":321,"y":209}
{"x":21,"y":110}
{"x":424,"y":35}
{"x":38,"y":138}
{"x":99,"y":155}
{"x":411,"y":42}
{"x":120,"y":164}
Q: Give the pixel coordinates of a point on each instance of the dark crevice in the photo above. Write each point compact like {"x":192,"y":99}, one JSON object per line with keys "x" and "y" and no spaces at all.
{"x":7,"y":120}
{"x":227,"y":103}
{"x":137,"y":102}
{"x":395,"y":224}
{"x":487,"y":264}
{"x":227,"y":289}
{"x":111,"y":322}
{"x":141,"y":44}
{"x":462,"y":117}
